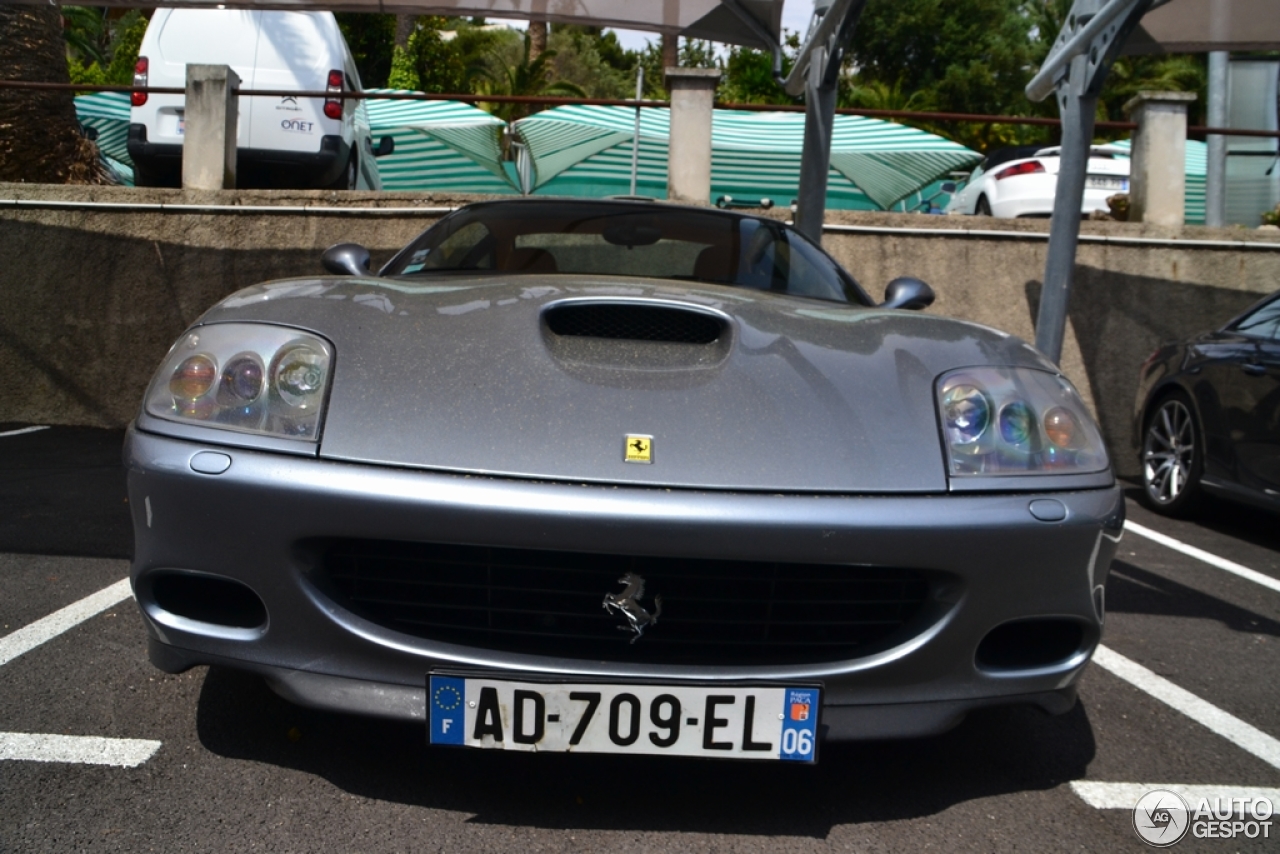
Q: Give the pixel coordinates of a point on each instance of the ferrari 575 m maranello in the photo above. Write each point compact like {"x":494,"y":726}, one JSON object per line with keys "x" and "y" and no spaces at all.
{"x":623,"y":477}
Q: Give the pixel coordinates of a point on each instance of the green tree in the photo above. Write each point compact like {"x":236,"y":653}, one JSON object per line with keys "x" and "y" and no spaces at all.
{"x":1172,"y":73}
{"x":86,"y":33}
{"x":655,"y":84}
{"x":430,"y":62}
{"x":879,"y":95}
{"x":748,"y":75}
{"x":592,"y":60}
{"x":502,"y":76}
{"x":964,"y":56}
{"x":371,"y":38}
{"x":108,"y":59}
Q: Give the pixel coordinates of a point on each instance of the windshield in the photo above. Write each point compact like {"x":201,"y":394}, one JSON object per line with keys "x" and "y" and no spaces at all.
{"x":627,"y":239}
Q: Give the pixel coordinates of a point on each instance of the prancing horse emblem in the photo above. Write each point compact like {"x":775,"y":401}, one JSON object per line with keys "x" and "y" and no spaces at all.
{"x":627,"y":603}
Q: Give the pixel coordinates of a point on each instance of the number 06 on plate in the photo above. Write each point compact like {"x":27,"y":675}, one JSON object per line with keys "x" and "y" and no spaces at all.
{"x":715,"y":721}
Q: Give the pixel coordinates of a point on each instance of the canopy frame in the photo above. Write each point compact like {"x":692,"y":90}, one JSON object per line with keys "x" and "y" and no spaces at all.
{"x":817,"y":75}
{"x":1091,"y":39}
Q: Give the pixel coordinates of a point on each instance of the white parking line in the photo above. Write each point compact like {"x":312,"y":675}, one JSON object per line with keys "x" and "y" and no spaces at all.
{"x":1225,"y":724}
{"x":19,"y":432}
{"x":1125,"y":796}
{"x":1200,"y":554}
{"x":80,"y":749}
{"x":31,"y":636}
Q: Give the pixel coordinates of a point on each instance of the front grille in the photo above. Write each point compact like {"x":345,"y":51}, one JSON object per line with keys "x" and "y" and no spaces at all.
{"x":549,"y":603}
{"x":627,"y":322}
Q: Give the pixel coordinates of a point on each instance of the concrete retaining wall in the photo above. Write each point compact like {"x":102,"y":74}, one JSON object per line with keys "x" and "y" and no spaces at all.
{"x":92,"y":296}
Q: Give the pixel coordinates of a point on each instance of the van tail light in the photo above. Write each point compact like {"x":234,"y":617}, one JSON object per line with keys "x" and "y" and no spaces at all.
{"x":140,"y":69}
{"x":333,"y":106}
{"x":1028,"y":168}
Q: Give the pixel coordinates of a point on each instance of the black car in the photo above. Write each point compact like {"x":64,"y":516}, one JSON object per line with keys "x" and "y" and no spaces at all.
{"x":1207,"y":415}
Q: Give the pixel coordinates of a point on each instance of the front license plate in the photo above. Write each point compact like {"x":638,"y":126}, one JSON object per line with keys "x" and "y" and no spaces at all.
{"x":1104,"y":182}
{"x":762,"y":722}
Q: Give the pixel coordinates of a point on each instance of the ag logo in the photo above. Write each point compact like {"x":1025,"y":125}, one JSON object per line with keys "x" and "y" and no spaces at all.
{"x":638,"y":449}
{"x":1161,"y":818}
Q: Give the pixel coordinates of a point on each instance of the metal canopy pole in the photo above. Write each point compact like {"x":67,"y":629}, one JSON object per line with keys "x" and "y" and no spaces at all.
{"x":635,"y":139}
{"x":817,"y":75}
{"x":1215,"y":182}
{"x":815,"y":154}
{"x":1075,"y":70}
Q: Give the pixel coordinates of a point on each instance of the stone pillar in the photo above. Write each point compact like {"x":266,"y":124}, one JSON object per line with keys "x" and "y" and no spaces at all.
{"x":211,"y":118}
{"x":689,"y":153}
{"x":1157,"y":173}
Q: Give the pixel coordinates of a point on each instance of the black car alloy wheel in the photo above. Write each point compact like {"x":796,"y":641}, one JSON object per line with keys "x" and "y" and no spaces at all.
{"x":1171,"y":462}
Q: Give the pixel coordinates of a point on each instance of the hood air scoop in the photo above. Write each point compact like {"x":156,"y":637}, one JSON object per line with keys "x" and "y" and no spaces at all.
{"x":607,"y":342}
{"x":629,"y":321}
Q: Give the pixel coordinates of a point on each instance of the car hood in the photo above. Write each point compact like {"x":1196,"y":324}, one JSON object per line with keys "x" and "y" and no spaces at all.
{"x":465,"y":374}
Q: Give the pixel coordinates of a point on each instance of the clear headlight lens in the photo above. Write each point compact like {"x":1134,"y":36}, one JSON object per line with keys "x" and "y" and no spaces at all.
{"x":249,"y":377}
{"x":1016,"y":421}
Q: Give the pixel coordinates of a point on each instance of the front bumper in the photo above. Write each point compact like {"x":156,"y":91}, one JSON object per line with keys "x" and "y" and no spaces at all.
{"x":249,"y":523}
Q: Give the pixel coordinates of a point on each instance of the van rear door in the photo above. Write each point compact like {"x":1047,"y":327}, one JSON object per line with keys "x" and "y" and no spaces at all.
{"x":204,"y":37}
{"x":296,"y":51}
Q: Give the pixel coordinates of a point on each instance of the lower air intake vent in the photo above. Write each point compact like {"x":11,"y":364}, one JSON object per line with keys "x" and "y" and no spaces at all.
{"x":630,"y":322}
{"x":550,"y":603}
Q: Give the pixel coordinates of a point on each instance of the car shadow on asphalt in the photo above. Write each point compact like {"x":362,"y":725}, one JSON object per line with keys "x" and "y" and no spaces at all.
{"x":1132,"y":590}
{"x":993,"y":752}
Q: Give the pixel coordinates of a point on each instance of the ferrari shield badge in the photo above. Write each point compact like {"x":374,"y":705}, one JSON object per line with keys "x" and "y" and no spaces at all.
{"x":638,"y":449}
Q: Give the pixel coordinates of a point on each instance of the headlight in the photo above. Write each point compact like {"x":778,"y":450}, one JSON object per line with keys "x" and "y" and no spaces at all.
{"x":249,"y":377}
{"x":1011,"y":421}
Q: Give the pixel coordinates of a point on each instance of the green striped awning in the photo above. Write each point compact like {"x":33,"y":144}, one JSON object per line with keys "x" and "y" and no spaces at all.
{"x":108,"y":113}
{"x":443,"y":146}
{"x":873,"y":163}
{"x":440,"y":146}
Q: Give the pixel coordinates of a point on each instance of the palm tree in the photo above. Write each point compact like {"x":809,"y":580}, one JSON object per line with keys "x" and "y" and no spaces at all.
{"x":84,"y":30}
{"x":537,"y":38}
{"x":40,"y":138}
{"x":878,"y":95}
{"x":526,"y":77}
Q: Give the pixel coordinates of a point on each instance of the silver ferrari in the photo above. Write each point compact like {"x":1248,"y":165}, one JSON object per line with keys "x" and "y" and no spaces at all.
{"x":624,"y":477}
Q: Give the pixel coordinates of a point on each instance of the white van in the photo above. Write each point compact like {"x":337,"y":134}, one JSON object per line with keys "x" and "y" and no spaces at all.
{"x":283,"y":141}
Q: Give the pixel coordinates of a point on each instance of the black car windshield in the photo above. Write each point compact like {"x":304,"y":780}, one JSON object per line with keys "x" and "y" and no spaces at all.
{"x":627,"y":239}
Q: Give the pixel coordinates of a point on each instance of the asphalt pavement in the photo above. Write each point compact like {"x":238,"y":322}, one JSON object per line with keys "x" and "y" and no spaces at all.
{"x":1183,"y":694}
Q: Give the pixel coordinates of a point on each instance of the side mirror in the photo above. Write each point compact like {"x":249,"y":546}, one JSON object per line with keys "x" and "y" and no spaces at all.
{"x":346,"y":259}
{"x":948,"y":187}
{"x":906,"y":292}
{"x":386,"y":145}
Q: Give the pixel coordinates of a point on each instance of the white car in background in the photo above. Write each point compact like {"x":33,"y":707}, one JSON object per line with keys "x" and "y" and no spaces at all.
{"x":283,"y":141}
{"x":1021,"y":181}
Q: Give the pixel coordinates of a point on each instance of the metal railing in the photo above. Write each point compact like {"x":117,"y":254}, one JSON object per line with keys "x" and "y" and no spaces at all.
{"x":472,"y":98}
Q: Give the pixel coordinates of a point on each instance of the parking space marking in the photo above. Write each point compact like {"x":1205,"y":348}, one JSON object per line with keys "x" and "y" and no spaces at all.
{"x":1124,"y":796}
{"x":19,"y":432}
{"x":1200,"y":554}
{"x":1225,"y":724}
{"x":47,"y":628}
{"x":80,"y":749}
